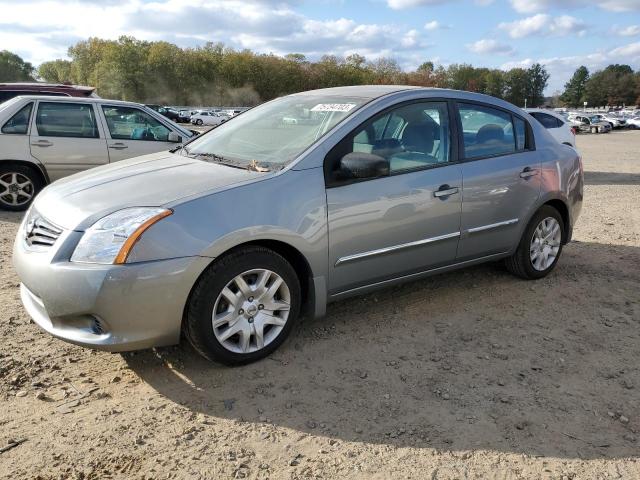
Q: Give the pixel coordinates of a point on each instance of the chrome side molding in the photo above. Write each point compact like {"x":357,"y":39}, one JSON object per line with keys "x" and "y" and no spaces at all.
{"x":394,"y":248}
{"x":493,"y":225}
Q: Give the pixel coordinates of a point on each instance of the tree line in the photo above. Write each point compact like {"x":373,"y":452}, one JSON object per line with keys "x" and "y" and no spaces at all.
{"x":615,"y":85}
{"x":213,"y":74}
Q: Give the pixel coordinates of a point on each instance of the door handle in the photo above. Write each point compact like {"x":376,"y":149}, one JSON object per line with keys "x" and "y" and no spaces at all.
{"x":528,"y":172}
{"x":118,"y":146}
{"x":42,"y":143}
{"x":445,"y":191}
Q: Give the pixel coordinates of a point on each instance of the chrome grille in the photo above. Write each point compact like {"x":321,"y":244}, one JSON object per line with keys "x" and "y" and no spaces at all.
{"x":39,"y":232}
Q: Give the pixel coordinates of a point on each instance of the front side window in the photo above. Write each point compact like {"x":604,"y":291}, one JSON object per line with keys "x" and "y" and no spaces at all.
{"x":19,"y":123}
{"x":129,"y":123}
{"x":57,"y":119}
{"x":487,"y":131}
{"x":274,"y":133}
{"x":409,"y":137}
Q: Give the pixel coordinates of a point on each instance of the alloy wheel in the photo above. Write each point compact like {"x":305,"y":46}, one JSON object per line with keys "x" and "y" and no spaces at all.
{"x":251,"y":311}
{"x":16,"y":189}
{"x":545,"y":244}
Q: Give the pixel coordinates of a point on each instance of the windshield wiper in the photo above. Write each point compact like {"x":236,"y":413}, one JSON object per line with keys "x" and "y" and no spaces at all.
{"x":212,"y":157}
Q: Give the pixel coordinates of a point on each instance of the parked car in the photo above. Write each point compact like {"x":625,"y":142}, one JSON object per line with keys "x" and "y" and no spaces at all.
{"x":11,"y":90}
{"x":184,"y":116}
{"x":613,"y":120}
{"x":633,"y":122}
{"x":205,"y":240}
{"x":44,"y":138}
{"x":555,"y":124}
{"x":208,"y":118}
{"x":590,"y":124}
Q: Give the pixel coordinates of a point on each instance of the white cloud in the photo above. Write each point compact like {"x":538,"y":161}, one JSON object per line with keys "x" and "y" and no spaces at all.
{"x":402,"y":4}
{"x":526,"y":26}
{"x":542,"y":23}
{"x":487,"y":46}
{"x":532,"y":6}
{"x":630,"y":31}
{"x":41,"y":30}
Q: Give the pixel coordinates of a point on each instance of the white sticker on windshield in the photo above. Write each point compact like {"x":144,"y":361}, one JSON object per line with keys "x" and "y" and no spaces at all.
{"x":333,"y":107}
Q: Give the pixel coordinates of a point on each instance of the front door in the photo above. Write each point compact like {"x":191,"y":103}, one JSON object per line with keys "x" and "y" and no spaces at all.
{"x":66,"y":138}
{"x":501,"y":180}
{"x":406,"y":222}
{"x":132,"y":132}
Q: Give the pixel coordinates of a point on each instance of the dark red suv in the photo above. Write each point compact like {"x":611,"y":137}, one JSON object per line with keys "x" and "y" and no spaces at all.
{"x":10,"y":90}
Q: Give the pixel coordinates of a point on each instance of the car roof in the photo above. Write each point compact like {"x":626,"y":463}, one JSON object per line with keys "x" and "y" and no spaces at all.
{"x":42,"y":85}
{"x":363,"y":91}
{"x":49,"y":98}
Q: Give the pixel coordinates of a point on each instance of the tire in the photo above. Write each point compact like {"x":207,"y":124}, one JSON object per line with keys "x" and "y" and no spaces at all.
{"x":207,"y":298}
{"x":19,"y":184}
{"x":199,"y":121}
{"x":521,"y":263}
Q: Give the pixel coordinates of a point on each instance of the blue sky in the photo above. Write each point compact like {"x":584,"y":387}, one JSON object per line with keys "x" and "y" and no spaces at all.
{"x":562,"y":34}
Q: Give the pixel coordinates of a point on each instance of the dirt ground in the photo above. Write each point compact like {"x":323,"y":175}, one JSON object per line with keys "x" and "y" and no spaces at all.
{"x":468,"y":375}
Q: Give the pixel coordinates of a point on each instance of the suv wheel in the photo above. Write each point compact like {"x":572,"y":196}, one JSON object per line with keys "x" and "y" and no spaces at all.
{"x":243,"y":307}
{"x":19,"y":184}
{"x":540,"y":246}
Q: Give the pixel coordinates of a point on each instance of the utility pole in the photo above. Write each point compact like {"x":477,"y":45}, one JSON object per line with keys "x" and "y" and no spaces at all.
{"x":525,"y":103}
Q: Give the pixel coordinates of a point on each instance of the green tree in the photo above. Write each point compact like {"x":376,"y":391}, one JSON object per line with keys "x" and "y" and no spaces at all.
{"x":516,"y":86}
{"x":13,"y":68}
{"x":574,"y":89}
{"x":55,"y":71}
{"x":537,"y":80}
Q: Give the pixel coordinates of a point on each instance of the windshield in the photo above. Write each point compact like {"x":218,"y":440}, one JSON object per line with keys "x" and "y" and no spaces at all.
{"x":273,"y":134}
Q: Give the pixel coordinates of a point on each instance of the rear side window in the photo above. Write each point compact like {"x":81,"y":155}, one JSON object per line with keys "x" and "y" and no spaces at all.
{"x":57,"y":119}
{"x":547,"y":121}
{"x":487,"y":131}
{"x":19,"y":123}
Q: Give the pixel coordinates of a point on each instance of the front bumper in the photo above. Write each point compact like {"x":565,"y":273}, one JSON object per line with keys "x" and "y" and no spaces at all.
{"x":107,"y":307}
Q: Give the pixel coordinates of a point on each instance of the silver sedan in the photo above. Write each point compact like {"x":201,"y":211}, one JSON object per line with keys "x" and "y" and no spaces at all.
{"x":304,"y":200}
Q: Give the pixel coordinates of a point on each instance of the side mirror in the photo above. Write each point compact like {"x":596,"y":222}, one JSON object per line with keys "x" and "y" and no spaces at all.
{"x":173,"y":137}
{"x":363,"y":165}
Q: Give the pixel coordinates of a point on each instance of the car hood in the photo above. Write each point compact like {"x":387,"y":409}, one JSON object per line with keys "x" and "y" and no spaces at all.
{"x":158,"y":179}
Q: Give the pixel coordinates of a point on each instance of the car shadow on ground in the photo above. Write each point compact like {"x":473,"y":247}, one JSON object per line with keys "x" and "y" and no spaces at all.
{"x":611,"y":178}
{"x":12,"y":217}
{"x":474,"y":359}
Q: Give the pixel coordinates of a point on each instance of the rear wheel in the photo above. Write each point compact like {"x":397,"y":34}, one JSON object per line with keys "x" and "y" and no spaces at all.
{"x":243,"y":307}
{"x":540,"y":247}
{"x":199,"y":121}
{"x":19,"y":184}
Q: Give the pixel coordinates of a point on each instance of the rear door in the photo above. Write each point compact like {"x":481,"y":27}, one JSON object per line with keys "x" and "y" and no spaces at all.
{"x":67,"y":138}
{"x":132,"y":132}
{"x":501,"y":179}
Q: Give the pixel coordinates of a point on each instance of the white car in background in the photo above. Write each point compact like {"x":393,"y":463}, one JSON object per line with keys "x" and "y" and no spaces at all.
{"x":44,"y":138}
{"x":633,"y":122}
{"x":613,"y":120}
{"x":208,"y":118}
{"x":556,"y":125}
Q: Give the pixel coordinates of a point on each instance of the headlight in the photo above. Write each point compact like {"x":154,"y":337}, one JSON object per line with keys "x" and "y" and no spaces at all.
{"x":111,"y":238}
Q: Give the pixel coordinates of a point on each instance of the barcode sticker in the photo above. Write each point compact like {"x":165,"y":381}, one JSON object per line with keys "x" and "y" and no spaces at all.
{"x":333,"y":107}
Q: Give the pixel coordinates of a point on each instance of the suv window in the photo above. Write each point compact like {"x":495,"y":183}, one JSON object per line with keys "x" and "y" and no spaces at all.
{"x":547,"y":121}
{"x":488,"y":131}
{"x":411,"y":136}
{"x":58,"y":119}
{"x":19,"y":123}
{"x":129,"y":123}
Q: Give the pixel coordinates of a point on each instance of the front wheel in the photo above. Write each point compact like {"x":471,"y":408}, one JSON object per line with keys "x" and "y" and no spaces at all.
{"x":540,"y":246}
{"x":243,"y":307}
{"x":199,"y":121}
{"x":19,"y":184}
